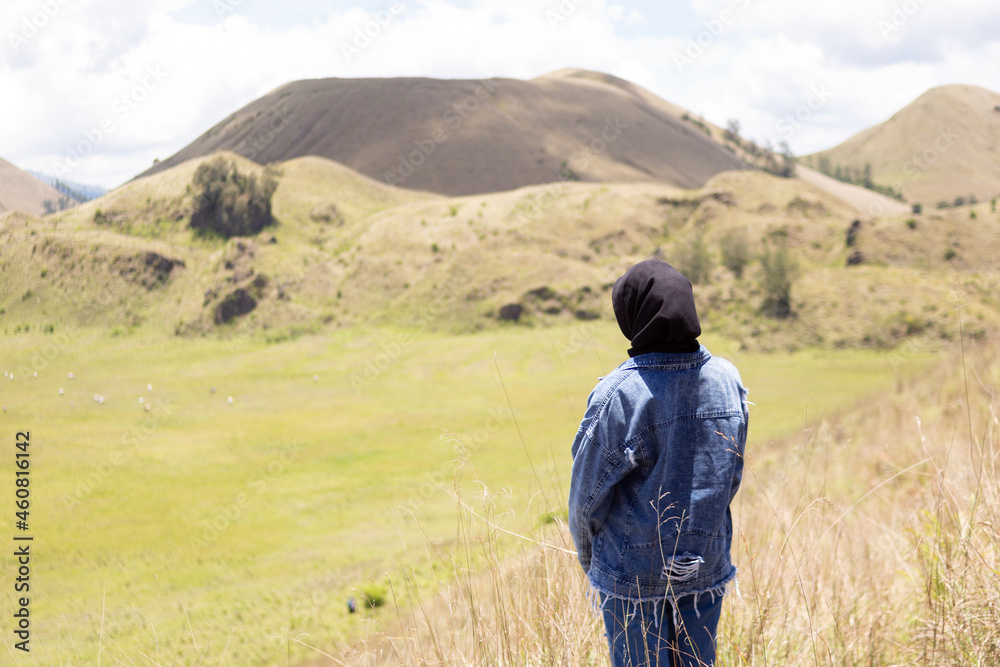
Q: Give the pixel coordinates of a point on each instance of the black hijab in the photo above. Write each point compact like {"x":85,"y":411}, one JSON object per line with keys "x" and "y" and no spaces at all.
{"x":654,"y":305}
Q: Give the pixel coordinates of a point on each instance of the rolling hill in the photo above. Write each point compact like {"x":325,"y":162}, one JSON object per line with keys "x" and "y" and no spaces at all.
{"x":942,"y":146}
{"x":227,"y":515}
{"x":20,"y":191}
{"x":348,"y":250}
{"x":461,"y":137}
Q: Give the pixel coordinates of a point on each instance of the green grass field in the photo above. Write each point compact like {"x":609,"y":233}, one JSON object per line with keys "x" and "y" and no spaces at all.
{"x":209,"y":532}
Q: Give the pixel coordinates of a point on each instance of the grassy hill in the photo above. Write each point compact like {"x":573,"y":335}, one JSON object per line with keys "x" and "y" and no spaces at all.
{"x":348,"y":250}
{"x":461,"y":137}
{"x":20,"y":191}
{"x":942,"y":146}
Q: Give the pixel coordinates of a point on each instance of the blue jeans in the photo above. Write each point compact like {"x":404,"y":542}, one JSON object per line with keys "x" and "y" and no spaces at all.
{"x":643,"y":634}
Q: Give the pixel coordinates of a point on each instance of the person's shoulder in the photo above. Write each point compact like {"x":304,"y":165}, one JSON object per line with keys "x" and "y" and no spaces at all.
{"x":723,"y":368}
{"x":600,"y":399}
{"x":608,"y":385}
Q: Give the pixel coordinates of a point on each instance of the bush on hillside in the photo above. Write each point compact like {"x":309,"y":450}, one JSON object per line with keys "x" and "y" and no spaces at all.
{"x":374,"y":595}
{"x":695,"y":262}
{"x":229,"y":203}
{"x":780,"y":272}
{"x":779,"y":163}
{"x":735,"y":246}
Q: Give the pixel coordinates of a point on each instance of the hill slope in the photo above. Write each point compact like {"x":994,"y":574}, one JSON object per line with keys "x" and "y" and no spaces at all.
{"x":944,"y":145}
{"x":460,"y":137}
{"x":864,"y":201}
{"x":349,"y":250}
{"x":79,"y":192}
{"x":20,"y":191}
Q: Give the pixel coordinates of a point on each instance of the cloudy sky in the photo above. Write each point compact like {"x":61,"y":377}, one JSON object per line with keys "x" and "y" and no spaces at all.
{"x":96,"y":89}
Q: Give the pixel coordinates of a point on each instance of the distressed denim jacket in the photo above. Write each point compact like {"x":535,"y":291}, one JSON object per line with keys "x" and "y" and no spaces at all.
{"x":656,"y":462}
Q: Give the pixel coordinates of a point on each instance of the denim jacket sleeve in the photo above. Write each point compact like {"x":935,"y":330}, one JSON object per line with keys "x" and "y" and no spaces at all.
{"x":595,"y":473}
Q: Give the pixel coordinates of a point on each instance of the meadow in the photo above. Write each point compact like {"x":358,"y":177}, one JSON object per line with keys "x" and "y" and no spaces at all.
{"x":868,"y":537}
{"x":208,"y":531}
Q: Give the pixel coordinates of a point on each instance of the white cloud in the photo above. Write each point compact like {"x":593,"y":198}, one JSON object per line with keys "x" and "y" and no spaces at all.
{"x":628,"y":16}
{"x":73,"y":72}
{"x":775,"y":51}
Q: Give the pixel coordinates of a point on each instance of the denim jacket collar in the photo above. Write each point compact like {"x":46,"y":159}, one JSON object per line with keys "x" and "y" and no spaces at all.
{"x":673,"y":361}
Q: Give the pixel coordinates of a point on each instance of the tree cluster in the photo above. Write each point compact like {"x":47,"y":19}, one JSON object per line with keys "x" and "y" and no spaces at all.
{"x":229,"y":203}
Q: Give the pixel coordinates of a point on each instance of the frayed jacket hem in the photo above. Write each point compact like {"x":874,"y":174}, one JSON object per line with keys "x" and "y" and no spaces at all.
{"x":598,"y":596}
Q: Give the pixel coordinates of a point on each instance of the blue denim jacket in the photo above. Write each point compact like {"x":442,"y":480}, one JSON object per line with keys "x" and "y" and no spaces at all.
{"x":656,"y":462}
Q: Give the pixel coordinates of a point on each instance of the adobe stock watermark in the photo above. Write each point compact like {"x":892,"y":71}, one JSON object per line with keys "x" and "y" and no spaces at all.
{"x":130,"y":440}
{"x":313,"y":598}
{"x":579,"y":161}
{"x":467,"y":445}
{"x":262,"y":138}
{"x":40,"y":360}
{"x":816,"y":99}
{"x":123,"y":107}
{"x":713,"y":30}
{"x":454,"y":117}
{"x":255,"y":486}
{"x":898,"y":17}
{"x":904,"y":354}
{"x":224,"y":8}
{"x":390,"y":352}
{"x":580,"y":337}
{"x":918,"y":164}
{"x":613,"y":129}
{"x":562,"y":13}
{"x":365,"y":36}
{"x":796,"y":461}
{"x":35,"y":23}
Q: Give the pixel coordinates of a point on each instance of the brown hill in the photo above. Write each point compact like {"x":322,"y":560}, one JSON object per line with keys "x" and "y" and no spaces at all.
{"x":944,"y":145}
{"x":461,"y":137}
{"x":20,"y":191}
{"x":348,"y":250}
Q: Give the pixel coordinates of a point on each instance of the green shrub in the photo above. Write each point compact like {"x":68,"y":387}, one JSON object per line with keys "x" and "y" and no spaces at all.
{"x":735,"y":246}
{"x":374,"y":595}
{"x":780,"y":272}
{"x":695,"y":262}
{"x":228,"y":203}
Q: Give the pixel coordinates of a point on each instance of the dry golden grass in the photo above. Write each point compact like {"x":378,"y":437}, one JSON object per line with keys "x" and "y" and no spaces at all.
{"x":869,"y":538}
{"x":939,"y":147}
{"x":348,"y":250}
